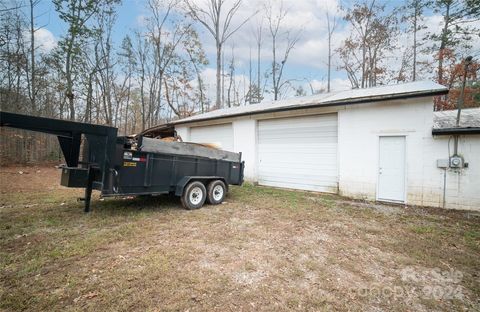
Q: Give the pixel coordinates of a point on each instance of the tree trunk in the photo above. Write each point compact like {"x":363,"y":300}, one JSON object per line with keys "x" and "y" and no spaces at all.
{"x":330,"y":31}
{"x":414,"y":69}
{"x":170,"y":101}
{"x":249,"y":79}
{"x":259,"y":46}
{"x":159,"y":104}
{"x":229,"y":91}
{"x":219,"y":71}
{"x":88,"y":110}
{"x":32,"y":58}
{"x":142,"y":96}
{"x":443,"y":44}
{"x":364,"y":52}
{"x":329,"y":56}
{"x":68,"y":75}
{"x":126,"y":105}
{"x":274,"y":69}
{"x":200,"y":87}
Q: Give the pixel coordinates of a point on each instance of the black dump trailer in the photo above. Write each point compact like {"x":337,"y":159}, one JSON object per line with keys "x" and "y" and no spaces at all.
{"x":97,"y":159}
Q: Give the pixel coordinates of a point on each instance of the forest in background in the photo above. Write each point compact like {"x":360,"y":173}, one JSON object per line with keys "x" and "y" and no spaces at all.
{"x":155,"y":73}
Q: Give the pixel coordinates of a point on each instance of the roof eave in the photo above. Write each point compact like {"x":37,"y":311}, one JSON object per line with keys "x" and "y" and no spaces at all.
{"x":325,"y":104}
{"x":459,"y":130}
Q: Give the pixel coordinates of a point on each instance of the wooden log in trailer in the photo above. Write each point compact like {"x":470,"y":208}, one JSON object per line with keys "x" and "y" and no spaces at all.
{"x":126,"y":166}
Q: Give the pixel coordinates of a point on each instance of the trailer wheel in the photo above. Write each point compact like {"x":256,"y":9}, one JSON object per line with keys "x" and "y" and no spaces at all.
{"x":194,"y":195}
{"x":216,"y":192}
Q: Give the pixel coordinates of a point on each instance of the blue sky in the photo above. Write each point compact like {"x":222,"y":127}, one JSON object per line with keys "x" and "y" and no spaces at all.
{"x":128,"y":12}
{"x":129,"y":17}
{"x":306,"y":63}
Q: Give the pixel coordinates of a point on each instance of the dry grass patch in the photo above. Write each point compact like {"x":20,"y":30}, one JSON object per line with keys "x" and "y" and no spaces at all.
{"x":265,"y":249}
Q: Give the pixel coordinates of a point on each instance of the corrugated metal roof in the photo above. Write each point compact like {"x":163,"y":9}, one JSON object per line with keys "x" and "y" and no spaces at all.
{"x":412,"y":89}
{"x":469,"y":118}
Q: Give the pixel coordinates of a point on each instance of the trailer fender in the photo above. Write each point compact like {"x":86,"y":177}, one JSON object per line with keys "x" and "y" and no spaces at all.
{"x":204,"y":179}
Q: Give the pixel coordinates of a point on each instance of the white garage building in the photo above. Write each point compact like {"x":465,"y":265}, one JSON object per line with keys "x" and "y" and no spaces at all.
{"x":376,"y":144}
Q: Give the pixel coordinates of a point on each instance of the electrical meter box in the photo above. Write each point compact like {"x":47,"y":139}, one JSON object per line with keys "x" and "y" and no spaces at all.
{"x":456,"y":162}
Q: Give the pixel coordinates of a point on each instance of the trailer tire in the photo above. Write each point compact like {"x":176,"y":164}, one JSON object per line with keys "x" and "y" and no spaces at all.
{"x":216,"y":192}
{"x":194,"y":195}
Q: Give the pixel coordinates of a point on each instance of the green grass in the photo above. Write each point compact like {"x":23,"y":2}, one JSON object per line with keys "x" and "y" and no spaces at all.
{"x":423,"y":229}
{"x":472,"y":238}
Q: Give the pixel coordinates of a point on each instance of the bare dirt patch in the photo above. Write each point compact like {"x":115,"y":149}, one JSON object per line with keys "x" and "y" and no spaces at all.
{"x":266,"y":249}
{"x":29,"y":178}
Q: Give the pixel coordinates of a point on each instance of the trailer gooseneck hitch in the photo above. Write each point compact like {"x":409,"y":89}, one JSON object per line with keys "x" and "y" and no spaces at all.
{"x":132,"y":166}
{"x":96,"y":154}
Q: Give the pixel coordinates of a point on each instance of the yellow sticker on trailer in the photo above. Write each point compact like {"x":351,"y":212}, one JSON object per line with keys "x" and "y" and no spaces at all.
{"x":129,"y":164}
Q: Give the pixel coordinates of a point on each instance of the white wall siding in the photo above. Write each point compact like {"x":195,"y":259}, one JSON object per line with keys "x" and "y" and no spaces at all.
{"x":360,"y":127}
{"x":221,"y":134}
{"x":462,"y":185}
{"x":299,"y":152}
{"x":183,"y":132}
{"x":245,"y":133}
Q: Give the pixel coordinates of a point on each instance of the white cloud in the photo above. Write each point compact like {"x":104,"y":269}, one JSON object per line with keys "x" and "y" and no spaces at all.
{"x":433,"y":25}
{"x":209,"y":80}
{"x":310,"y":54}
{"x":45,"y":41}
{"x":336,"y":84}
{"x":141,"y":20}
{"x":306,"y":16}
{"x":309,"y":57}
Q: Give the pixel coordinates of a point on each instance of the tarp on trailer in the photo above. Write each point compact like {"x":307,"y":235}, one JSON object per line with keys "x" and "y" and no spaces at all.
{"x":186,"y":149}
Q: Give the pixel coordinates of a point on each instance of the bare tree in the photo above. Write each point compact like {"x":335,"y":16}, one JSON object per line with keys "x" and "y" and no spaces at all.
{"x":258,"y":40}
{"x":363,"y":53}
{"x":331,"y":24}
{"x":275,"y":18}
{"x":128,"y":62}
{"x":198,"y":59}
{"x":180,"y":94}
{"x":141,"y":52}
{"x":413,"y":16}
{"x":31,"y":74}
{"x":231,"y":76}
{"x":219,"y":26}
{"x":90,"y":73}
{"x":460,"y":26}
{"x":13,"y":59}
{"x":164,"y":44}
{"x":76,"y":13}
{"x":106,"y":18}
{"x":405,"y":65}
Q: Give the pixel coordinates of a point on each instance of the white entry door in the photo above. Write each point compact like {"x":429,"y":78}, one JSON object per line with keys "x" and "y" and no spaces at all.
{"x":391,"y":171}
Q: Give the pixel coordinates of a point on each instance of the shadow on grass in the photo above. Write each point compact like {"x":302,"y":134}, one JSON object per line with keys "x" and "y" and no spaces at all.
{"x":134,"y":205}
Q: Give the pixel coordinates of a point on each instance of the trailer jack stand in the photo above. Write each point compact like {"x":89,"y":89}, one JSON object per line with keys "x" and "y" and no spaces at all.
{"x":88,"y":190}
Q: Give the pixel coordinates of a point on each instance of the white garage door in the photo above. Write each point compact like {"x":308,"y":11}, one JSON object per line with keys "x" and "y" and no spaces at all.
{"x":221,"y":134}
{"x":299,"y":153}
